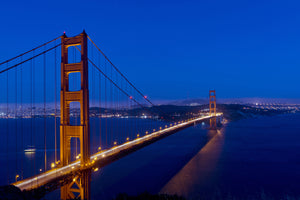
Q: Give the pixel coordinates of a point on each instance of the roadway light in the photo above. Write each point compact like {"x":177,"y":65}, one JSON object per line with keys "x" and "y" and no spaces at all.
{"x":146,"y":132}
{"x":127,"y":138}
{"x":41,"y":170}
{"x":52,"y":165}
{"x":138,"y":135}
{"x":17,"y":176}
{"x":78,"y":156}
{"x":115,"y":143}
{"x":96,"y":169}
{"x":99,"y":148}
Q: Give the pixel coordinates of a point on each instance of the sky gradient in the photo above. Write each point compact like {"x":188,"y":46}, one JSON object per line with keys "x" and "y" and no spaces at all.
{"x":175,"y":49}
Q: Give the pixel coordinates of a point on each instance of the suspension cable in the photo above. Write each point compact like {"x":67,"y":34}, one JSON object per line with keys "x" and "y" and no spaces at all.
{"x":9,"y":68}
{"x":29,"y":51}
{"x":120,"y":71}
{"x":144,"y":96}
{"x":116,"y":85}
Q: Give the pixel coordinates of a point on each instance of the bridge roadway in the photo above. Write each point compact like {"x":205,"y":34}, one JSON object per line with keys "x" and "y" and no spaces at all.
{"x":56,"y":173}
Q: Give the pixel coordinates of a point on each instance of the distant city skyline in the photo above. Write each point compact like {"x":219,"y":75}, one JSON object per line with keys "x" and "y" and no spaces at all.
{"x":172,"y":49}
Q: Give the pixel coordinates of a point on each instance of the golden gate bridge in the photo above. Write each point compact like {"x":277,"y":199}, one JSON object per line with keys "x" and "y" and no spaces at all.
{"x":71,"y":110}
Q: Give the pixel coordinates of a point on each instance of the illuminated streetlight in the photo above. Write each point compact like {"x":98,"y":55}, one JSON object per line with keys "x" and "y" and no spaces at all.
{"x":17,"y":176}
{"x":78,"y":156}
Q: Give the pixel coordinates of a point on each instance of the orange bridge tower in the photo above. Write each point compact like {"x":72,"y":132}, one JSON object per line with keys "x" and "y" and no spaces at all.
{"x":213,"y":109}
{"x":68,"y":131}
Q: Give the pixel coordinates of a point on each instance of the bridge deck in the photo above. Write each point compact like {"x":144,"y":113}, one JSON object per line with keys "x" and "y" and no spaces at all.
{"x":48,"y":176}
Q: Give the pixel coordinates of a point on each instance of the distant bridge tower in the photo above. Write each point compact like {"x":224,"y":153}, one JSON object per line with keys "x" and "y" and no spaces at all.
{"x":213,"y":109}
{"x":68,"y":131}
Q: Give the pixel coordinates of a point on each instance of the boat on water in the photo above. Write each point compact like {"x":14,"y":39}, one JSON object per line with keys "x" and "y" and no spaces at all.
{"x":30,"y":149}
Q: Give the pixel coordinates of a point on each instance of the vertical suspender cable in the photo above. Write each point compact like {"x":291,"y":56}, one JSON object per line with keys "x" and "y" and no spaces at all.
{"x":105,"y":96}
{"x":45,"y":126}
{"x":111,"y":102}
{"x":16,"y":115}
{"x":21,"y":91}
{"x":31,"y":116}
{"x":7,"y":126}
{"x":34,"y":121}
{"x":55,"y":112}
{"x":99,"y":104}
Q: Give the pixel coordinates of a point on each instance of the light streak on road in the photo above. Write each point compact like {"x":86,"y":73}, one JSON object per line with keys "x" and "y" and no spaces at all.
{"x":48,"y":176}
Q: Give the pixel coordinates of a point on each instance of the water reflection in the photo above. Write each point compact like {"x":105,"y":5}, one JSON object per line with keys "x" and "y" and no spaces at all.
{"x":29,"y":154}
{"x":200,"y":170}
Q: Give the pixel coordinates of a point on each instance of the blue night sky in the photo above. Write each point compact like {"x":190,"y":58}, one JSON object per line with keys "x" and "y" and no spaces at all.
{"x":175,"y":49}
